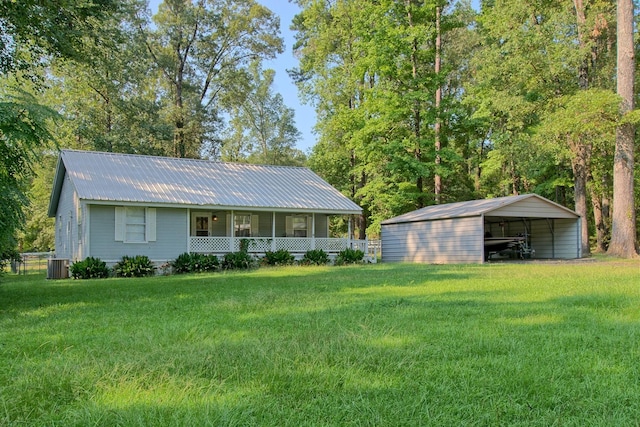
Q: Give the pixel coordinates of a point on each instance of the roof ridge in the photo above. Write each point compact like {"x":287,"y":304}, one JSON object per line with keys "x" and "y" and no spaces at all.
{"x":110,"y":153}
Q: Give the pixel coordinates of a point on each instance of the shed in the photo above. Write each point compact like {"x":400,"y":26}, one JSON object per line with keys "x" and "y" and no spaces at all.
{"x":476,"y":231}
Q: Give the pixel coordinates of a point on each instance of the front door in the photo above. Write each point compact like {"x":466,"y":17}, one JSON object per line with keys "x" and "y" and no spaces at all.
{"x":201,"y":224}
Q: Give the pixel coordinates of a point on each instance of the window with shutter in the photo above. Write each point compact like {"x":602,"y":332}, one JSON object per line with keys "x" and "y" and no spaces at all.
{"x":135,"y":225}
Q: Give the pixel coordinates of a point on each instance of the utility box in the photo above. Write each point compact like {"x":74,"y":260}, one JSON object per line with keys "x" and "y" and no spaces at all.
{"x":57,"y":268}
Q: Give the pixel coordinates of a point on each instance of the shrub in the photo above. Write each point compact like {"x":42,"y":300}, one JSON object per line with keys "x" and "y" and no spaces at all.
{"x":89,"y":268}
{"x":195,"y":263}
{"x":349,"y":256}
{"x":315,"y":257}
{"x":137,"y":266}
{"x":279,"y":257}
{"x":237,"y":261}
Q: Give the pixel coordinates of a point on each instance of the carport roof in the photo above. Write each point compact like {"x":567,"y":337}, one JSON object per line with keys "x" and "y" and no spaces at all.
{"x":477,"y":208}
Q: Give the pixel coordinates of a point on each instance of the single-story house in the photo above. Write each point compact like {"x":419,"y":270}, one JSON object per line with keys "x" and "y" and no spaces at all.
{"x":107,"y":205}
{"x":527,"y":226}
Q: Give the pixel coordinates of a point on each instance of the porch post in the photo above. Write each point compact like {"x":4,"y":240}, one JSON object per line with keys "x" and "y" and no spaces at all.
{"x":313,"y":230}
{"x":273,"y":231}
{"x":188,"y":230}
{"x":349,"y":232}
{"x":232,"y":227}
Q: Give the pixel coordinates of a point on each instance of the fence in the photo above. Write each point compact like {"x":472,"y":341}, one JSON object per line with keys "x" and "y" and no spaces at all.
{"x":31,"y":262}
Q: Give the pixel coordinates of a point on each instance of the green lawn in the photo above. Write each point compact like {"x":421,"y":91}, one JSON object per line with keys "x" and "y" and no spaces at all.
{"x":377,"y":345}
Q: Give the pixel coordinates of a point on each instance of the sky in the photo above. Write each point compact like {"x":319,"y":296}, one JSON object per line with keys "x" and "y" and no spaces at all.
{"x":305,"y":116}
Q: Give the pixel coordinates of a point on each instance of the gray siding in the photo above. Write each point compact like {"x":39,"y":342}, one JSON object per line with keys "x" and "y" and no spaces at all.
{"x":533,"y":208}
{"x":171,"y":235}
{"x":457,"y":240}
{"x":66,"y":222}
{"x":563,"y":243}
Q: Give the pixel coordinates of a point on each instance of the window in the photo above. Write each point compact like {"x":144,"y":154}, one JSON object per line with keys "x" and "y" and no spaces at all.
{"x":135,"y":224}
{"x":202,"y":225}
{"x":297,"y":226}
{"x":243,"y":225}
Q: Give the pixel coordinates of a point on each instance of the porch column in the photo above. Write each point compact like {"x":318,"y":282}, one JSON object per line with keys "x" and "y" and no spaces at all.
{"x":349,"y":231}
{"x":188,"y":230}
{"x":313,"y":230}
{"x":232,"y":227}
{"x":273,"y":232}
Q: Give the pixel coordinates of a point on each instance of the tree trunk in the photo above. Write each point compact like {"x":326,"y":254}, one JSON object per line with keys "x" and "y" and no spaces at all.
{"x":417,"y":152}
{"x":623,"y":227}
{"x":598,"y":218}
{"x":438,"y":124}
{"x":580,"y":174}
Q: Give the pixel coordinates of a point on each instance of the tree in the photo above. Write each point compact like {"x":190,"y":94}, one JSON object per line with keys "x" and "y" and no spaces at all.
{"x":23,"y":134}
{"x":536,"y":53}
{"x":623,"y":226}
{"x":200,"y":50}
{"x":262,"y":128}
{"x":31,"y":30}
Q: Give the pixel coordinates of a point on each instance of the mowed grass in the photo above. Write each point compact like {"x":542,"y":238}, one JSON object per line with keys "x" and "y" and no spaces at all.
{"x":377,"y":345}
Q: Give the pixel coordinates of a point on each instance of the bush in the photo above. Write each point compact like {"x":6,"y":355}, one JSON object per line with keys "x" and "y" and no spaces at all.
{"x":349,"y":256}
{"x":279,"y":257}
{"x":237,"y":261}
{"x":90,"y":268}
{"x":195,"y":263}
{"x":137,"y":266}
{"x":315,"y":257}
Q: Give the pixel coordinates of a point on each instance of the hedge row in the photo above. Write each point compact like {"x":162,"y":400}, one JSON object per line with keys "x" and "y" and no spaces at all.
{"x":141,"y":265}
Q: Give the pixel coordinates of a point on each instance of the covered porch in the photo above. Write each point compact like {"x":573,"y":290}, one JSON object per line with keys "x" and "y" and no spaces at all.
{"x":220,"y":232}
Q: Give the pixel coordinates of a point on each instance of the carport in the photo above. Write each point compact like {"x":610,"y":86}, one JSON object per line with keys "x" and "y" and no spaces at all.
{"x":525,"y":226}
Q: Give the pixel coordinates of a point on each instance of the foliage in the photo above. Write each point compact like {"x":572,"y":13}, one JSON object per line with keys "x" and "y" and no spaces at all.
{"x":135,"y":266}
{"x":262,"y":129}
{"x":505,"y":345}
{"x":279,"y":257}
{"x":89,"y":268}
{"x":200,"y":50}
{"x":8,"y":256}
{"x":195,"y":263}
{"x":349,"y":256}
{"x":23,"y":134}
{"x":31,"y":30}
{"x":237,"y":261}
{"x":315,"y":257}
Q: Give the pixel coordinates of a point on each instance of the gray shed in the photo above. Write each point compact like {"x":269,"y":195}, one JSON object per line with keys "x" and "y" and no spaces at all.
{"x":476,"y":231}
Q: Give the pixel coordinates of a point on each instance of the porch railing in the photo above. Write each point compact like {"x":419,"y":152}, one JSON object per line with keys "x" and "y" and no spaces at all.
{"x":263,"y":244}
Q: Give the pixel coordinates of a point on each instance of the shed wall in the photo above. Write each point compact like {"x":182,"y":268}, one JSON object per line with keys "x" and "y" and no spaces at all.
{"x":563,"y":243}
{"x":458,"y":240}
{"x":171,"y":236}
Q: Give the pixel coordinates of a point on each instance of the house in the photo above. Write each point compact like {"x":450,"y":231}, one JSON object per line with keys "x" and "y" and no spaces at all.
{"x":476,"y":231}
{"x":107,"y":205}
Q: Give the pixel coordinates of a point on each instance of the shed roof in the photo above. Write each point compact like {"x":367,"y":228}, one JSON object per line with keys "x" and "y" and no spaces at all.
{"x":480,"y":207}
{"x":127,"y":178}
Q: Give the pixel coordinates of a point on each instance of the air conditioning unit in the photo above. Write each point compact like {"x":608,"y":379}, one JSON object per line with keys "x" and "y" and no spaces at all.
{"x":57,"y":268}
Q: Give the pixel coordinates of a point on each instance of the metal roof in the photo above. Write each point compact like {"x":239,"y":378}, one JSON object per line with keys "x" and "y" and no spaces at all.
{"x":127,"y":178}
{"x":468,"y":209}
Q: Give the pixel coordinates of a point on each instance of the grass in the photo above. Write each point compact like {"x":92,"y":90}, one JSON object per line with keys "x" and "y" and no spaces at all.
{"x":481,"y":345}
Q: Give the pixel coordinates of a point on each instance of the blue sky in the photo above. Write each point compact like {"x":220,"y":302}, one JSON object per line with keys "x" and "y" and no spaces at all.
{"x":304,"y":114}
